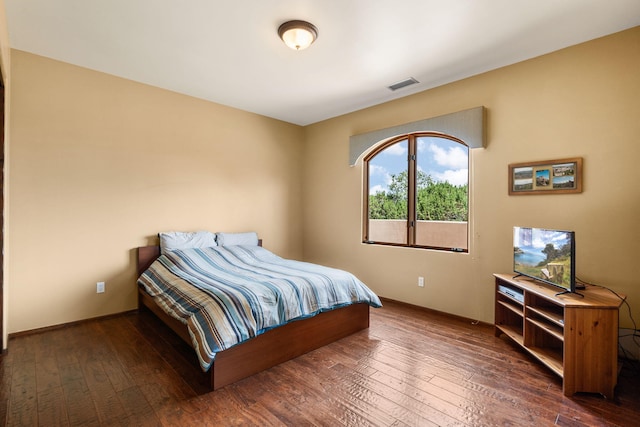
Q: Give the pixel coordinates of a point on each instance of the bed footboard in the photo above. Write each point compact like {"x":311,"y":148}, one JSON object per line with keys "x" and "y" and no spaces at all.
{"x":274,"y":346}
{"x":287,"y":342}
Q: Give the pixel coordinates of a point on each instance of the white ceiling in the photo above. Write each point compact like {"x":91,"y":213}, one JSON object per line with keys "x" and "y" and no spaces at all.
{"x":229,"y":51}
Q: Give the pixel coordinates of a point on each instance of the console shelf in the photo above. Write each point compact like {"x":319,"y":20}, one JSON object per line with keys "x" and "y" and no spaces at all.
{"x":551,"y":329}
{"x":510,"y":306}
{"x":576,"y":337}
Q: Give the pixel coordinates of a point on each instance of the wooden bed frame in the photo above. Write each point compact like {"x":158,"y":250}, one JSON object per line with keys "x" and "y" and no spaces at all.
{"x":270,"y":348}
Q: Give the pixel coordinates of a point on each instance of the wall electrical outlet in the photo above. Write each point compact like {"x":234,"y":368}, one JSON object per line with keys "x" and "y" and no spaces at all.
{"x":421,"y":282}
{"x":100,"y":287}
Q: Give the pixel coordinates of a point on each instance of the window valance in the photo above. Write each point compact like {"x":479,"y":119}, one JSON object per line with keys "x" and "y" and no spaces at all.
{"x":467,"y":125}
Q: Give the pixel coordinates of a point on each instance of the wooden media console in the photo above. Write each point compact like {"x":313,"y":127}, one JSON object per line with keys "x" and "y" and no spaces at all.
{"x":574,"y":336}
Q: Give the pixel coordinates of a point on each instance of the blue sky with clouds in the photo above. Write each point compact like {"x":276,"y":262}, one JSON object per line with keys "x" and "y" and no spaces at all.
{"x":443,"y":159}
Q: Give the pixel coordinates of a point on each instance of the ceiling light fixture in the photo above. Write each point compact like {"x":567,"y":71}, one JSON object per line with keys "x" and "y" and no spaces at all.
{"x":298,"y":35}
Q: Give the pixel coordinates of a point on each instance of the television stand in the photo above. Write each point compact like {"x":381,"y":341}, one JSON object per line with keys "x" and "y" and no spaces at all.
{"x":577,"y":338}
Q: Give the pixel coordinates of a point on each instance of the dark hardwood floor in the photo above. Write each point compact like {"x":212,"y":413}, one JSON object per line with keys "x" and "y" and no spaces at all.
{"x":411,"y":368}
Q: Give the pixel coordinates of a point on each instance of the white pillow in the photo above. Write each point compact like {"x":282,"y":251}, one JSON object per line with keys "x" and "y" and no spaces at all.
{"x":173,"y":240}
{"x":230,"y":239}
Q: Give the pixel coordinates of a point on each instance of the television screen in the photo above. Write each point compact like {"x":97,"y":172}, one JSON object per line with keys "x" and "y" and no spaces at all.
{"x":545,"y":255}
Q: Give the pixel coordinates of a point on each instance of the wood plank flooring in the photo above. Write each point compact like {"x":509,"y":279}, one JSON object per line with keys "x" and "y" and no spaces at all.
{"x":410,"y":368}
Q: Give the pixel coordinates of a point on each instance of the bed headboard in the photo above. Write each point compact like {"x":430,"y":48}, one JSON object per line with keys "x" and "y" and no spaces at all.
{"x":148,"y":254}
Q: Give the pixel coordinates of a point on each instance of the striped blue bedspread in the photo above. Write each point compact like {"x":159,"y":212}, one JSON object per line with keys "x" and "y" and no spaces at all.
{"x":229,"y":294}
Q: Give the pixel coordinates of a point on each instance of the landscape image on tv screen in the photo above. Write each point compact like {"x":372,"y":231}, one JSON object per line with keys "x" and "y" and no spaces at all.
{"x":545,"y":255}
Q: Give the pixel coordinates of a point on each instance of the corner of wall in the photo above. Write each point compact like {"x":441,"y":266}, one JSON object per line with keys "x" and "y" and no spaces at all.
{"x":5,"y":69}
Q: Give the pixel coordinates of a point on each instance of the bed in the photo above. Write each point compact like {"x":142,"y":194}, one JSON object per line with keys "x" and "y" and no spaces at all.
{"x":256,"y":349}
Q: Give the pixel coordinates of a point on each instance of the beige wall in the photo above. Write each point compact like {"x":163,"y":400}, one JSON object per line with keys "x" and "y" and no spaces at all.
{"x":100,"y":165}
{"x":583,"y":101}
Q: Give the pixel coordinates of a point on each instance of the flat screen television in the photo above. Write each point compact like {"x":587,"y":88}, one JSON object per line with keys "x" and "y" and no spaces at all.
{"x":546,"y":255}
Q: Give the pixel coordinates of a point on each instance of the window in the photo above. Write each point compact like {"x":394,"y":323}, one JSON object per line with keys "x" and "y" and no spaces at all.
{"x":417,"y":192}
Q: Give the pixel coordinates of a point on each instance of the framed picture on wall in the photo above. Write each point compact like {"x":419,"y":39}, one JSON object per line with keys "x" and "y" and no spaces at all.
{"x":559,"y":176}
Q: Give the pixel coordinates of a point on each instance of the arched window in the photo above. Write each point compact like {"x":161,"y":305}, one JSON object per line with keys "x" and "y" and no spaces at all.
{"x":417,"y":192}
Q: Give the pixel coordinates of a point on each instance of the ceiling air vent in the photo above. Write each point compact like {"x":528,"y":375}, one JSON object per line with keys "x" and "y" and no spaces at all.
{"x":404,"y":83}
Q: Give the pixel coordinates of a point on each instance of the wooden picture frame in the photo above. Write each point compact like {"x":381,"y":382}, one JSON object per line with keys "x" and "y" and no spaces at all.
{"x":560,"y":176}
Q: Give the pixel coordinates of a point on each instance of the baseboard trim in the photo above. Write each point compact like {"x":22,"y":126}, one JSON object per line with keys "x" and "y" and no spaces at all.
{"x":65,"y":325}
{"x":438,"y":312}
{"x":383,"y":299}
